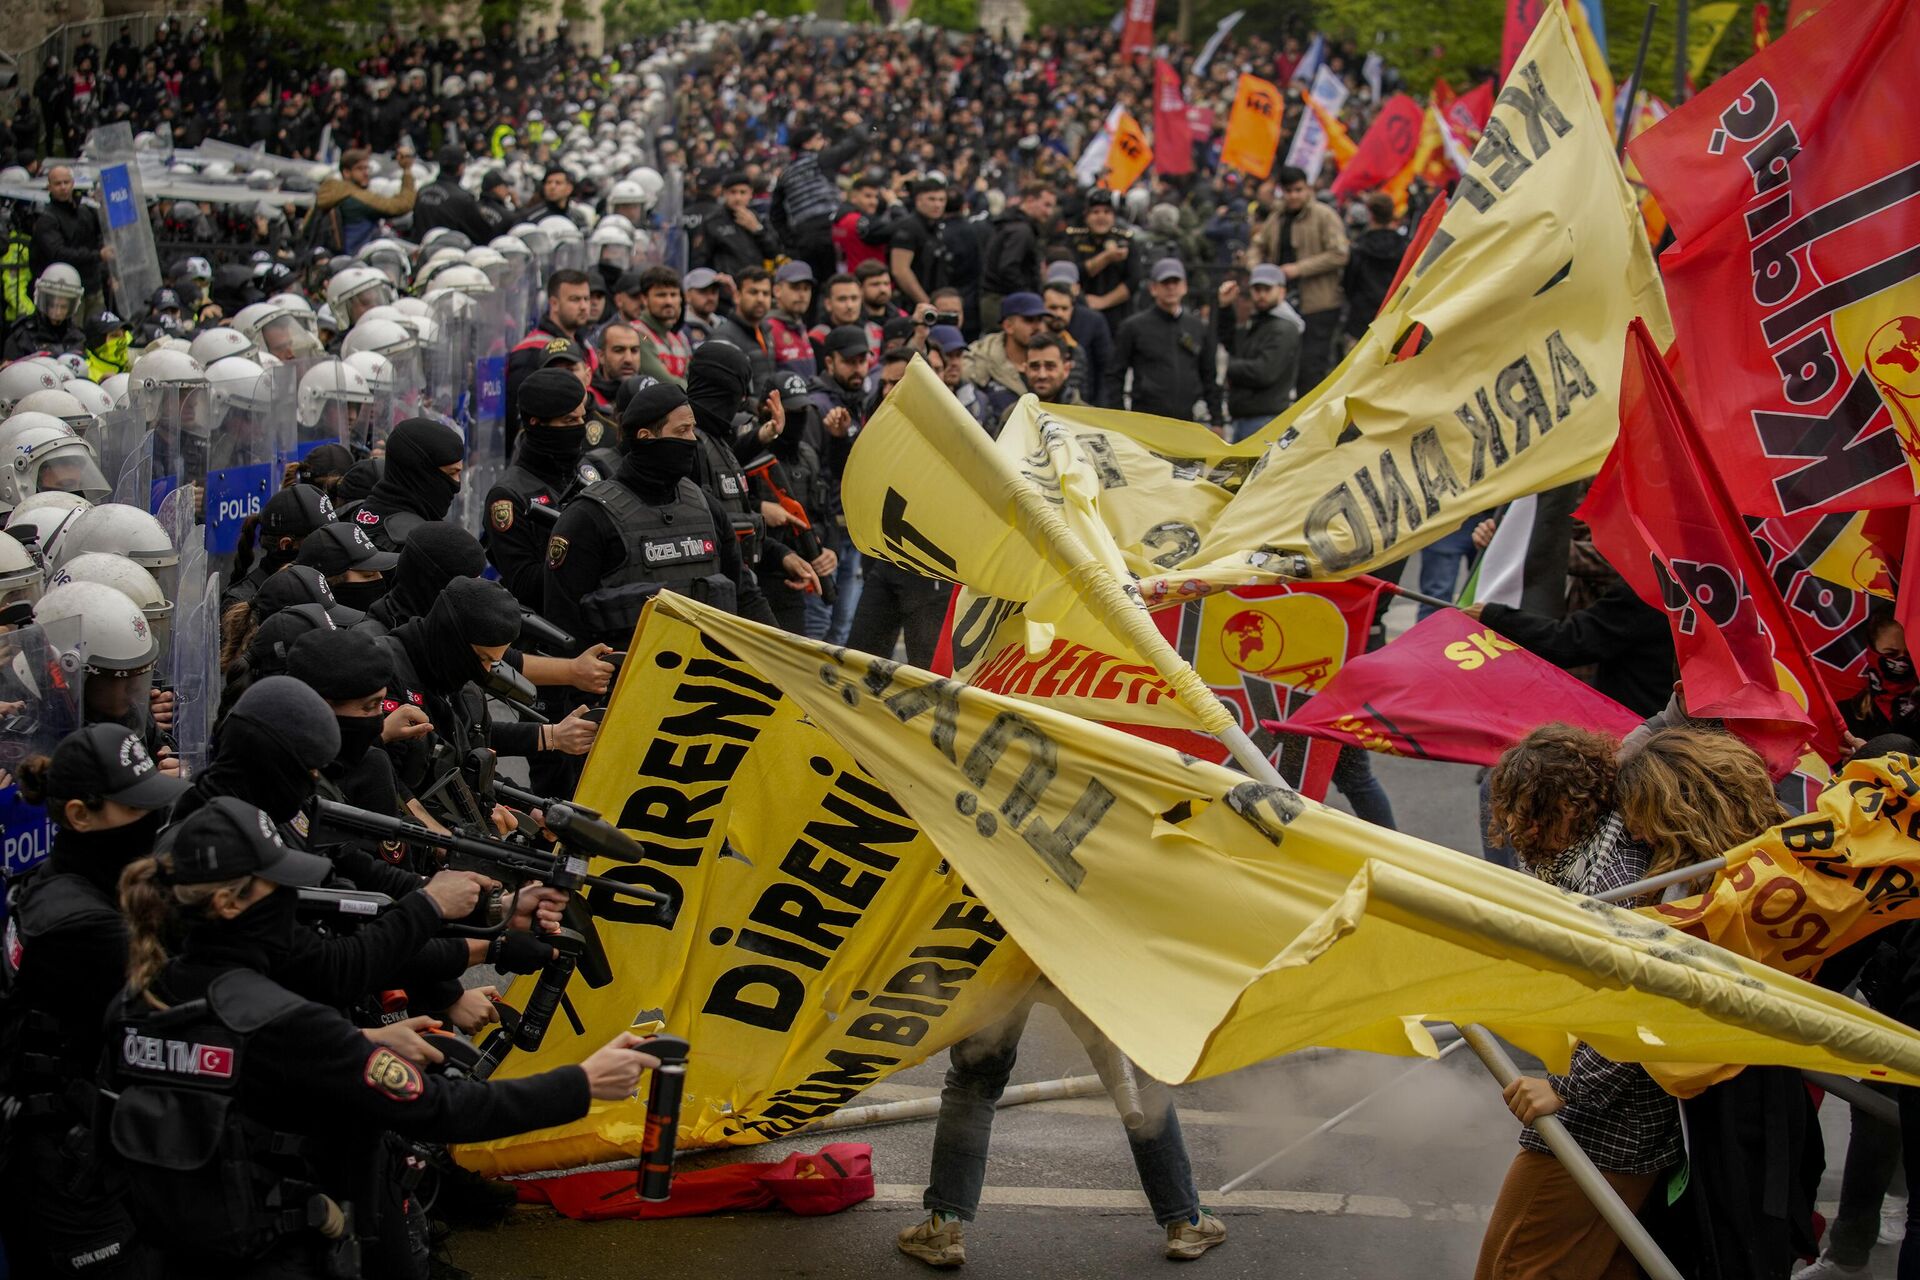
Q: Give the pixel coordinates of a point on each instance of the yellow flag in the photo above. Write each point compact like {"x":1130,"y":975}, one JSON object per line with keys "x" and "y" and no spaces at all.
{"x":1707,"y":25}
{"x":1599,"y":74}
{"x":1340,"y":143}
{"x":1205,"y":922}
{"x":819,"y":943}
{"x":1128,"y":156}
{"x":1020,"y":522}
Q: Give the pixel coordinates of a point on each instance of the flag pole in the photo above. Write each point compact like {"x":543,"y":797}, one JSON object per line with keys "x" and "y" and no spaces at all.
{"x":1639,"y":66}
{"x":1398,"y":590}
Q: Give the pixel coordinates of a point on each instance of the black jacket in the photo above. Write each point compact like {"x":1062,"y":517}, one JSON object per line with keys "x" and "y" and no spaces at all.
{"x":1624,"y":636}
{"x":1374,"y":261}
{"x":1173,"y":362}
{"x":444,"y":204}
{"x":1012,"y":261}
{"x":730,"y":248}
{"x":1262,"y":357}
{"x":68,"y":232}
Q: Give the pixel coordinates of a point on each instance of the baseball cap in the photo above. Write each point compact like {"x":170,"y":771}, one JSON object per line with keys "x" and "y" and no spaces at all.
{"x":629,"y":282}
{"x":110,"y":761}
{"x":296,"y":511}
{"x":793,"y":273}
{"x":1266,"y":273}
{"x":1062,"y":273}
{"x":335,"y":548}
{"x":1101,"y":198}
{"x":228,"y":838}
{"x":947,"y":337}
{"x":847,"y":340}
{"x":301,"y":584}
{"x":698,"y":278}
{"x":1168,"y":269}
{"x":1026,"y":305}
{"x":562,"y":349}
{"x":895,"y":331}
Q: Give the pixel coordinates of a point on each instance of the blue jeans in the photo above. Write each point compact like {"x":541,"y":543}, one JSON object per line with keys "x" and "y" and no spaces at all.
{"x":981,"y":1065}
{"x":1353,"y":775}
{"x":1244,"y":427}
{"x":832,"y":622}
{"x":1440,"y":564}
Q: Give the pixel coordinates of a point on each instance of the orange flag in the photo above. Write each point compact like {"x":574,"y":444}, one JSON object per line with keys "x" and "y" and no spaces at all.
{"x":1340,"y":143}
{"x":1253,"y":129}
{"x":1129,"y":156}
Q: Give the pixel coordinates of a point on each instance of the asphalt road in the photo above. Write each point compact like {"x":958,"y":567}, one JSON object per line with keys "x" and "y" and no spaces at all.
{"x":1402,"y":1190}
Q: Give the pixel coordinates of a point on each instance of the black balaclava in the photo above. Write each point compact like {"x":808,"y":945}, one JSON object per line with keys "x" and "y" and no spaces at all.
{"x":359,"y":480}
{"x":413,"y":481}
{"x":435,"y":555}
{"x":468,"y":612}
{"x":548,"y":451}
{"x":277,"y":734}
{"x":718,"y":378}
{"x":654,"y":466}
{"x":341,"y":666}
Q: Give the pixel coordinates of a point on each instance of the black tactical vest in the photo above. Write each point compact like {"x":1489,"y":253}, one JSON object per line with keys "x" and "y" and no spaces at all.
{"x":729,"y":484}
{"x":675,"y":547}
{"x":202,"y":1176}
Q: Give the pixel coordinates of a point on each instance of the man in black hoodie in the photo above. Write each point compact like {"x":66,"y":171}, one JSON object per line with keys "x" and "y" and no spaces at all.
{"x":418,"y":486}
{"x":1014,"y":259}
{"x":1374,"y":262}
{"x":445,"y":203}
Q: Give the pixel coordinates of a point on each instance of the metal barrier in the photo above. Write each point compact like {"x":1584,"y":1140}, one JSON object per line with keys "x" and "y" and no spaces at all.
{"x":101,"y":32}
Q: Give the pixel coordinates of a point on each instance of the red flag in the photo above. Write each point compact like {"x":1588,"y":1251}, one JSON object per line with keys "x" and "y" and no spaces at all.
{"x":1828,"y":604}
{"x":1265,"y":651}
{"x":1795,"y":282}
{"x":1469,"y":112}
{"x":1452,"y":689}
{"x":1522,"y":17}
{"x":1137,"y":38}
{"x":1422,"y":237}
{"x":1661,"y":515}
{"x":1172,"y":136}
{"x":1386,"y":149}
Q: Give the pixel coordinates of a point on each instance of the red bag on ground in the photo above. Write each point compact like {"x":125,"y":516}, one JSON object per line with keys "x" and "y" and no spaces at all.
{"x":836,"y":1177}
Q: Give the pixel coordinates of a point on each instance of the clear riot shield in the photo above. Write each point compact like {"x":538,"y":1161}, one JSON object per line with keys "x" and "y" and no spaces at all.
{"x":570,"y":254}
{"x":447,"y":361}
{"x":673,"y":232}
{"x":135,"y":269}
{"x":511,"y":279}
{"x":39,"y":705}
{"x":332,"y":405}
{"x":190,"y":665}
{"x":485,"y":423}
{"x":126,"y":454}
{"x":177,"y":439}
{"x":289,"y":341}
{"x":252,"y":434}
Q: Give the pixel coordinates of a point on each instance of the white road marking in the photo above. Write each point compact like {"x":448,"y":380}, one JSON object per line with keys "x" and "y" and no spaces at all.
{"x":891,"y":1195}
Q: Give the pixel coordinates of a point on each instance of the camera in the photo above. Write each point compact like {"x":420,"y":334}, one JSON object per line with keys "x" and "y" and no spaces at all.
{"x":947,"y":317}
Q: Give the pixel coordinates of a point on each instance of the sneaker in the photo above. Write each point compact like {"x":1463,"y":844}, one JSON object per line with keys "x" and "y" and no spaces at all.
{"x":1893,"y":1219}
{"x":936,"y":1242}
{"x":1186,"y":1240}
{"x":1825,"y":1268}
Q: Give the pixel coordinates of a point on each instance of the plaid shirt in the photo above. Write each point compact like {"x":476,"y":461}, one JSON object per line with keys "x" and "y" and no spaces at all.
{"x":1623,"y":1120}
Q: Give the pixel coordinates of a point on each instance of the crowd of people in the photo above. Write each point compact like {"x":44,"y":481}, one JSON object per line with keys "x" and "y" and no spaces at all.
{"x":699,"y":267}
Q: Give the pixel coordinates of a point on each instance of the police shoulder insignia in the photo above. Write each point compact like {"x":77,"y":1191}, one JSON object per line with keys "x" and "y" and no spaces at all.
{"x":388,"y":1073}
{"x":558,"y":344}
{"x":595,"y":429}
{"x":556,"y":552}
{"x":500,"y":515}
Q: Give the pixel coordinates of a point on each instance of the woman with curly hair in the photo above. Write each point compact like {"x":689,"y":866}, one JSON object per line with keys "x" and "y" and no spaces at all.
{"x":1753,"y":1142}
{"x":1554,"y":800}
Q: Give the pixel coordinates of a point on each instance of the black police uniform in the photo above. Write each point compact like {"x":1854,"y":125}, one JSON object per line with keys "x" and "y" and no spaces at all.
{"x":412,"y":490}
{"x":543,"y":460}
{"x":632,"y":531}
{"x":285,"y":1102}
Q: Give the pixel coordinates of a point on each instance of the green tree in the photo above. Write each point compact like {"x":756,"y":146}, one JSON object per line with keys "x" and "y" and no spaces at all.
{"x":954,"y":15}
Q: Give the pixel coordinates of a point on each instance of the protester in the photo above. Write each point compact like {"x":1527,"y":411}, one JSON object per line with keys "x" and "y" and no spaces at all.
{"x":346,"y":211}
{"x":69,"y":231}
{"x":1164,"y":358}
{"x":1263,"y":354}
{"x":1306,"y":240}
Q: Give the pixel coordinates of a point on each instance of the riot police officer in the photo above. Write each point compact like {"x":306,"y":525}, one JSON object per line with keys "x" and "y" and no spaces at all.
{"x":214,"y":1056}
{"x":647,"y":526}
{"x":554,"y":414}
{"x":421,"y":479}
{"x":64,"y":961}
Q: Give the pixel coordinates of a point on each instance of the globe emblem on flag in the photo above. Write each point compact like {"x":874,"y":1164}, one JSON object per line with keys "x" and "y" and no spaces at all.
{"x":1252,"y":641}
{"x":1893,"y":361}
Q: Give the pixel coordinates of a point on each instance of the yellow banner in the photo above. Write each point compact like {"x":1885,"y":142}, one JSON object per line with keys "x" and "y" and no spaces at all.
{"x":1815,"y":885}
{"x":1023,"y":522}
{"x":1205,"y":922}
{"x":819,"y":944}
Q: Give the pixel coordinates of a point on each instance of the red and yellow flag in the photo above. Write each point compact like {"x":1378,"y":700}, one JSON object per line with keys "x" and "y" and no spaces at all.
{"x":1387,"y":148}
{"x":1129,"y":155}
{"x":1253,"y":128}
